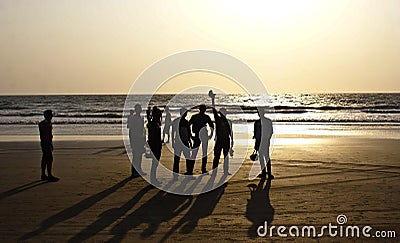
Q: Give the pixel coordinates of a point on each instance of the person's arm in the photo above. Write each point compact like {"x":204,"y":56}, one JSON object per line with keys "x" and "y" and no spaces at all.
{"x":211,"y":124}
{"x":254,"y":129}
{"x":143,"y":138}
{"x":272,"y":128}
{"x":215,"y":113}
{"x":174,"y":130}
{"x":231,"y":131}
{"x":51,"y":132}
{"x":190,"y":126}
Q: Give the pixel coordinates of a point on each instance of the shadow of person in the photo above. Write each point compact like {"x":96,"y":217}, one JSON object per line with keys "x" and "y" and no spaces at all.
{"x":202,"y":207}
{"x":108,"y":217}
{"x":259,"y":208}
{"x":22,"y":188}
{"x":160,"y":208}
{"x":74,"y":210}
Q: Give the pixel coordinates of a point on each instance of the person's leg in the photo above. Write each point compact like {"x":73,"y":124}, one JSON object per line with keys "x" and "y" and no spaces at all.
{"x":190,"y":163}
{"x":196,"y":146}
{"x":269,"y":170}
{"x":139,"y":158}
{"x":163,"y":133}
{"x":134,"y":163}
{"x":154,"y":165}
{"x":186,"y":153}
{"x":217,"y":154}
{"x":262,"y":163}
{"x":177,"y":158}
{"x":204,"y":147}
{"x":49,"y":163}
{"x":49,"y":160}
{"x":43,"y":162}
{"x":226,"y":157}
{"x":167,"y":132}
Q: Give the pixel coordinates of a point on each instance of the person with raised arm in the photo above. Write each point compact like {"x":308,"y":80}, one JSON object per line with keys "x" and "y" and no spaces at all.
{"x":223,"y":138}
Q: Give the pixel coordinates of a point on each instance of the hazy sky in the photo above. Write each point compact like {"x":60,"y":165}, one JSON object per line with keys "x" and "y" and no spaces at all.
{"x":75,"y":46}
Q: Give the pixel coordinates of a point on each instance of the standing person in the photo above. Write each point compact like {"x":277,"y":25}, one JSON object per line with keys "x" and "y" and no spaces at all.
{"x":154,"y":141}
{"x":46,"y":143}
{"x":181,"y":140}
{"x":167,"y":124}
{"x":137,"y":140}
{"x":262,"y":133}
{"x":199,"y":123}
{"x":224,"y":138}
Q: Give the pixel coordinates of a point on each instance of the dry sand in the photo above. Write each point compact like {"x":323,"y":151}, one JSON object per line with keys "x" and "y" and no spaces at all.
{"x":317,"y":178}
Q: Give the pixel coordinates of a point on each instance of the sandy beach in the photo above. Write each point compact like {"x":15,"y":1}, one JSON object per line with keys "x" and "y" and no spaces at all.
{"x":317,"y":178}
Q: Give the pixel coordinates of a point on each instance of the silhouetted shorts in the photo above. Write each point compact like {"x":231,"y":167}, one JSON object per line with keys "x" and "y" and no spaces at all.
{"x":47,"y":149}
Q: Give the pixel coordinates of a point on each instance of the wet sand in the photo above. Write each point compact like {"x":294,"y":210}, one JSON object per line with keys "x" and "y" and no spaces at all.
{"x":317,"y":178}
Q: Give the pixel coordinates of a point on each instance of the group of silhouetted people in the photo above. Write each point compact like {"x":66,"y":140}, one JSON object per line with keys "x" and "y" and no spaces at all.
{"x":186,"y":137}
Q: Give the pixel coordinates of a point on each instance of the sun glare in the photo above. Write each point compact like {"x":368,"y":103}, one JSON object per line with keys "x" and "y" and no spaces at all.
{"x":271,"y":11}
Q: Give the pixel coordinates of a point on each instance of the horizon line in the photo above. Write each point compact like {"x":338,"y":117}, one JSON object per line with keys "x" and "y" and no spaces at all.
{"x":271,"y":93}
{"x":280,"y":93}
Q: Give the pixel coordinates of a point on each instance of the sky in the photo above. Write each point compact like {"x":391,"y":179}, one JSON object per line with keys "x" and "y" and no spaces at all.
{"x":80,"y":47}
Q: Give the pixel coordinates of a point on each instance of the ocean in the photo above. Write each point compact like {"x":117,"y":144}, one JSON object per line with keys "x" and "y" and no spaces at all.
{"x":100,"y":115}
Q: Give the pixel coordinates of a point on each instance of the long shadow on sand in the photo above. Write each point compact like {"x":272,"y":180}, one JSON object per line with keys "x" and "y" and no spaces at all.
{"x":259,"y":208}
{"x":22,"y":188}
{"x":202,"y":207}
{"x":160,"y":208}
{"x":74,"y":210}
{"x":164,"y":207}
{"x":108,"y":217}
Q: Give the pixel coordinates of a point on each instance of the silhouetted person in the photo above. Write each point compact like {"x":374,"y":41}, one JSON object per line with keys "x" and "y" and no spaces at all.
{"x":262,"y":133}
{"x":181,"y":140}
{"x":167,"y":124}
{"x":224,"y":138}
{"x":46,"y":142}
{"x":137,"y":139}
{"x":154,"y":141}
{"x":199,"y":123}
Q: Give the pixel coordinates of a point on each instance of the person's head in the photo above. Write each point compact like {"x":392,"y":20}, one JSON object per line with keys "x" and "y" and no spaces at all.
{"x":138,"y":109}
{"x":202,"y":108}
{"x":131,"y":112}
{"x":223,"y":111}
{"x":48,"y":114}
